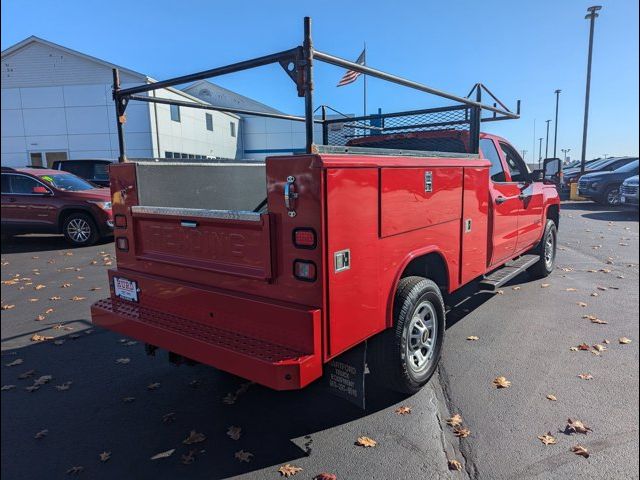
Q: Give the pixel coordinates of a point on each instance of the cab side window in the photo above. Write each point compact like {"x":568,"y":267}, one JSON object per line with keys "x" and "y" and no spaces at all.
{"x":23,"y":185}
{"x":517,"y":167}
{"x":490,"y":153}
{"x":6,"y":186}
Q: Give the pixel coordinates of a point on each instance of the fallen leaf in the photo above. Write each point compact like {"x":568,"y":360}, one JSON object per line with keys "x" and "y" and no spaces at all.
{"x":41,"y":434}
{"x":404,"y":410}
{"x":366,"y":442}
{"x":42,"y":380}
{"x":582,"y":304}
{"x":552,"y":397}
{"x":234,"y":432}
{"x":325,"y":476}
{"x":194,"y":437}
{"x":598,"y":321}
{"x":571,"y":290}
{"x":586,"y":376}
{"x":8,"y":307}
{"x":64,"y":386}
{"x":123,"y":361}
{"x":39,"y":287}
{"x":289,"y":470}
{"x":599,"y":348}
{"x":27,"y":374}
{"x":584,"y":347}
{"x":7,"y":387}
{"x":473,"y":338}
{"x":40,"y":318}
{"x":243,"y":456}
{"x":54,"y":298}
{"x":580,"y":450}
{"x":548,"y":439}
{"x":66,"y":285}
{"x":573,"y":349}
{"x":545,"y":285}
{"x":454,"y":465}
{"x":577,"y":426}
{"x":165,"y":454}
{"x":128,"y":399}
{"x":188,"y":458}
{"x":500,"y":292}
{"x":48,"y":311}
{"x":95,"y":289}
{"x":104,"y":456}
{"x":595,"y":294}
{"x":606,"y":342}
{"x":39,"y":338}
{"x":501,"y":382}
{"x":75,"y":470}
{"x":455,"y":420}
{"x":168,"y":417}
{"x":17,"y":361}
{"x":624,"y":340}
{"x":77,"y":299}
{"x":516,"y":288}
{"x":153,"y":386}
{"x":461,"y":432}
{"x":32,"y":388}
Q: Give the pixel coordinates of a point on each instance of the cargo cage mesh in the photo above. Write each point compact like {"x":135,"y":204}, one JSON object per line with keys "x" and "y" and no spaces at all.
{"x":399,"y":129}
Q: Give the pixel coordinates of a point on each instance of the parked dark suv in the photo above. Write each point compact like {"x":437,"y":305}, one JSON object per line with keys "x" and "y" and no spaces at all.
{"x":39,"y":200}
{"x":604,"y":187}
{"x":95,"y":170}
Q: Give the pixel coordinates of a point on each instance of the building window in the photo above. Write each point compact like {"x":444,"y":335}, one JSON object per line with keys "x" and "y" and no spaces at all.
{"x":168,"y":154}
{"x":175,"y":112}
{"x":233,"y":129}
{"x":209,"y":118}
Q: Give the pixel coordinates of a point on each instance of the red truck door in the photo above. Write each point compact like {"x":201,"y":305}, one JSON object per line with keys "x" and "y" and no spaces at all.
{"x":505,"y":206}
{"x":531,"y":201}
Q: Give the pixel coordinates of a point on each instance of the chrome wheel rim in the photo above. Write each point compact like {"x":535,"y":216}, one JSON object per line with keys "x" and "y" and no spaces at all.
{"x":79,"y":230}
{"x":421,"y":337}
{"x":549,"y":250}
{"x":613,"y":197}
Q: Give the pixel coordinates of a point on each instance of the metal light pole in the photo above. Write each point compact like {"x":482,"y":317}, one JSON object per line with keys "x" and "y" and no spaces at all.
{"x":555,"y":135}
{"x":546,"y":150}
{"x":540,"y":153}
{"x":564,"y":152}
{"x":524,"y":153}
{"x":591,"y":16}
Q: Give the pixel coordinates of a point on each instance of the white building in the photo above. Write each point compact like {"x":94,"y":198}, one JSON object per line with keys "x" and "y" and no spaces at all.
{"x":56,"y":104}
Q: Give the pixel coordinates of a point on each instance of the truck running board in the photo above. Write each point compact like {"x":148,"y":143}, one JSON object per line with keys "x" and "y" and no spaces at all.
{"x":496,"y":279}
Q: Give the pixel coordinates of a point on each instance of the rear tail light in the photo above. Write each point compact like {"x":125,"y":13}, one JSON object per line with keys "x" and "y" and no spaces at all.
{"x":122,"y":244}
{"x":120,"y":221}
{"x":304,"y":238}
{"x":305,"y":270}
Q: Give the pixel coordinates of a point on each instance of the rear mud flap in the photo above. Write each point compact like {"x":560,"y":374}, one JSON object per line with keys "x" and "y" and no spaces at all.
{"x":344,"y":376}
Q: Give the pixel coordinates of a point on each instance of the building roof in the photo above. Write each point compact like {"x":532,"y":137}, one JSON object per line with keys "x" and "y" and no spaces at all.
{"x":143,"y":78}
{"x":222,"y":97}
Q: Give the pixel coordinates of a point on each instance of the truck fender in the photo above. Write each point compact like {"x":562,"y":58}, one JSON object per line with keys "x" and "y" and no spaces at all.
{"x":405,"y":262}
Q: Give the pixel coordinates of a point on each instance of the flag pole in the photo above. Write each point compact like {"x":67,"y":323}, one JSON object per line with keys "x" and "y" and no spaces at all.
{"x":364,"y":89}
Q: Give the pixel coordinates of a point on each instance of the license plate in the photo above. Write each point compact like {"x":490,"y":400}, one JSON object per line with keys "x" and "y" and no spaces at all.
{"x":125,"y":289}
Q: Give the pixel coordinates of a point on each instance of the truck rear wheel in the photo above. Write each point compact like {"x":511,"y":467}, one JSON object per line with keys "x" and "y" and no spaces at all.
{"x":405,"y":356}
{"x":546,"y":249}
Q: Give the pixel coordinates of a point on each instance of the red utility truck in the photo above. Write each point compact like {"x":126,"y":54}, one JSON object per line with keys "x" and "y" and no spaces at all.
{"x":359,"y":239}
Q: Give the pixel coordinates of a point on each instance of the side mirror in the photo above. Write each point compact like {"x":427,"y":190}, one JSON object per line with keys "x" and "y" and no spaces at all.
{"x":40,"y":190}
{"x":552,"y":169}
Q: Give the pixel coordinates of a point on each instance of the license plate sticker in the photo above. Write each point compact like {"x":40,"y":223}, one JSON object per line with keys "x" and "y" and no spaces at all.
{"x":623,"y":200}
{"x":125,"y":289}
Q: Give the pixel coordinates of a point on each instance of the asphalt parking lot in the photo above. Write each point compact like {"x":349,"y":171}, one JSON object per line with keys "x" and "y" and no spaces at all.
{"x":106,"y":396}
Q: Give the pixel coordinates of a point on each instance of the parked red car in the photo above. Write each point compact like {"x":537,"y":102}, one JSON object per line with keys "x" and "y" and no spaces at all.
{"x":36,"y":200}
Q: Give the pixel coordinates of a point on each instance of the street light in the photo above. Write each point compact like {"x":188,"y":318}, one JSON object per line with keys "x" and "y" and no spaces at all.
{"x":546,"y":150}
{"x":555,"y":135}
{"x":524,"y":153}
{"x":540,"y":153}
{"x":591,"y":16}
{"x":564,"y":152}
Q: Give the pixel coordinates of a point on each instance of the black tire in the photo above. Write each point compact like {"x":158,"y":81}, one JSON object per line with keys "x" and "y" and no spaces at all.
{"x":389,"y":355}
{"x":611,"y":196}
{"x":546,"y":264}
{"x":80,"y":230}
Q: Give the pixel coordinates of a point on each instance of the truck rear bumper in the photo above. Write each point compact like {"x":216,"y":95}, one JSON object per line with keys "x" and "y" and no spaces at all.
{"x":257,"y":359}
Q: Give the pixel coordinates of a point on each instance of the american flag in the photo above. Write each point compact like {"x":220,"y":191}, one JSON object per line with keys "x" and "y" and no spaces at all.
{"x":352,"y":76}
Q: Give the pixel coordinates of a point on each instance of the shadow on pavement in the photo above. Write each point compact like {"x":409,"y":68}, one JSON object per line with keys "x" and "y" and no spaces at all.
{"x":596,"y":211}
{"x":39,"y":243}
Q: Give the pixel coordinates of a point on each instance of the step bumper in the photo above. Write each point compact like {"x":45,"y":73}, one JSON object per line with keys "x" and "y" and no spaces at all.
{"x":265,"y":362}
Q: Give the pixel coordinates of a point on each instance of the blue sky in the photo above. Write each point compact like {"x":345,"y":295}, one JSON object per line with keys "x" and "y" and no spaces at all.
{"x":520,"y":50}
